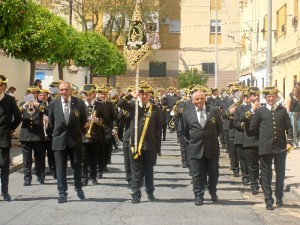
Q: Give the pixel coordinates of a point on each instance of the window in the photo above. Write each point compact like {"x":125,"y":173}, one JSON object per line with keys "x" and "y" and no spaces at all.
{"x":281,"y":22}
{"x":265,"y":29}
{"x":157,"y":69}
{"x":213,"y":5}
{"x":215,"y":26}
{"x":174,"y":26}
{"x":208,"y":68}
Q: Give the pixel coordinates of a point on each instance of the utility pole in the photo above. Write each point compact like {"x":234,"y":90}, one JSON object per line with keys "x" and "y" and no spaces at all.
{"x":216,"y":44}
{"x":70,"y":12}
{"x":269,"y":45}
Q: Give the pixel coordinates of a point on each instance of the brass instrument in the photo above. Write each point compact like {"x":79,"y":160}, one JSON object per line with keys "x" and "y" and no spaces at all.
{"x":91,"y":123}
{"x":115,"y":135}
{"x":234,"y":105}
{"x":172,"y":121}
{"x":30,"y":109}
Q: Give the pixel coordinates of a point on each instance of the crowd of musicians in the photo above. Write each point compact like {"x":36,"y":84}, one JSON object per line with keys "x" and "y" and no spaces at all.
{"x":84,"y":126}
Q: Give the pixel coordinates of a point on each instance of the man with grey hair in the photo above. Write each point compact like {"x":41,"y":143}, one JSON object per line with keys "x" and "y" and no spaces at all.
{"x":202,"y":125}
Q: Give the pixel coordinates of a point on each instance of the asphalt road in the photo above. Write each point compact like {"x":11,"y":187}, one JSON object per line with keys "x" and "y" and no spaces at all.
{"x":110,"y":202}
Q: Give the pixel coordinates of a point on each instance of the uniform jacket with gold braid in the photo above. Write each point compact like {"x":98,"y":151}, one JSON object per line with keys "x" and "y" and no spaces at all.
{"x":274,"y":129}
{"x":152,"y":138}
{"x":248,"y":140}
{"x":32,"y":128}
{"x":111,"y":117}
{"x":97,"y":131}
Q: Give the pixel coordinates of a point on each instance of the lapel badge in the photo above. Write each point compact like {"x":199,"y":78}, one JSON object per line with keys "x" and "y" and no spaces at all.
{"x":213,"y":120}
{"x":77,"y":113}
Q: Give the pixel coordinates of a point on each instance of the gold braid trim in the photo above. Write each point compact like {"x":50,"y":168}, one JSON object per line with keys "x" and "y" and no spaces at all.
{"x":137,"y":153}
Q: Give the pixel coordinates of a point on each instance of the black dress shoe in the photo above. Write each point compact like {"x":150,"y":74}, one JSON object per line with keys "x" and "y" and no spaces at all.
{"x":199,"y":201}
{"x":236,"y":173}
{"x":269,"y":205}
{"x":41,"y":180}
{"x":62,"y":199}
{"x":84,"y":181}
{"x":80,"y":194}
{"x":254,"y":190}
{"x":6,"y":197}
{"x":184,"y":165}
{"x":135,"y":199}
{"x":279,"y":202}
{"x":27,"y":183}
{"x":100,"y":176}
{"x":214,"y":198}
{"x":151,"y":197}
{"x":94,"y":181}
{"x":54,"y":176}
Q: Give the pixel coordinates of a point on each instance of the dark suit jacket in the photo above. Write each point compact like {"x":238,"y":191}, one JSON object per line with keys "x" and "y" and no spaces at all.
{"x":97,"y":131}
{"x":153,"y":135}
{"x":202,"y":140}
{"x":111,"y":118}
{"x":239,"y":132}
{"x":67,"y":135}
{"x":32,"y":128}
{"x":10,"y":118}
{"x":248,"y":140}
{"x":272,"y":129}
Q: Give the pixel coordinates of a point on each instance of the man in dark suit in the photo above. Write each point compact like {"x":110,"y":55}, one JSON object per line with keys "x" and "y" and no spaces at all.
{"x":171,"y":99}
{"x":201,"y":126}
{"x":10,"y":118}
{"x":32,"y":136}
{"x":67,"y":119}
{"x":109,"y":124}
{"x":94,"y":134}
{"x":273,"y":126}
{"x":149,"y":126}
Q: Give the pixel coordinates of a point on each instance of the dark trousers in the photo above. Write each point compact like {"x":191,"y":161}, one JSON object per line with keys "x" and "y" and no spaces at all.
{"x":252,"y":158}
{"x":105,"y":151}
{"x":164,"y":129}
{"x":233,"y":156}
{"x":242,"y":159}
{"x":266,"y":174}
{"x":183,"y":150}
{"x":126,"y":152}
{"x":50,"y":156}
{"x":61,"y":159}
{"x":140,"y":167}
{"x":226,"y":138}
{"x":200,"y":168}
{"x":90,"y":159}
{"x":4,"y":165}
{"x":38,"y":148}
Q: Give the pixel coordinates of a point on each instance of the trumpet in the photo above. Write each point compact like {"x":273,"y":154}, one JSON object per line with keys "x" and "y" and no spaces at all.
{"x":234,"y":105}
{"x":89,"y":131}
{"x":30,"y":110}
{"x":172,"y":123}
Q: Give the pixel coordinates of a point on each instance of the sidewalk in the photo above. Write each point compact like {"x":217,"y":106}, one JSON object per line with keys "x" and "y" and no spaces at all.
{"x":292,"y":181}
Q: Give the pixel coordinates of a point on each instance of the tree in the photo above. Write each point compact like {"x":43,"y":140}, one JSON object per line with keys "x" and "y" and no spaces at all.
{"x":93,"y":52}
{"x":11,"y":16}
{"x":41,"y":37}
{"x":193,"y":76}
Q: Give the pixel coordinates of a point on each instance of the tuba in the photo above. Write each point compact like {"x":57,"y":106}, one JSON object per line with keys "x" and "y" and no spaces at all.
{"x":234,"y":105}
{"x":30,"y":109}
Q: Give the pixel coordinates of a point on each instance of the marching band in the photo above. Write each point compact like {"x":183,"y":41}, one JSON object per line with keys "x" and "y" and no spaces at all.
{"x":84,"y":125}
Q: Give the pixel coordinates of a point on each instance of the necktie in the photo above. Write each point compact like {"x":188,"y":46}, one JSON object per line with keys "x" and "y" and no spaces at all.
{"x":202,"y":117}
{"x":66,"y":111}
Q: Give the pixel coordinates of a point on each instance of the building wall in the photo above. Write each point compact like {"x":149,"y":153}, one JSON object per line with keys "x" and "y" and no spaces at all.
{"x":285,"y":48}
{"x":195,"y":47}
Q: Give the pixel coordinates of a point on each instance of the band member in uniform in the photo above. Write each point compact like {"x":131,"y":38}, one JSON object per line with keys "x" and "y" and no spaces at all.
{"x":32,"y":136}
{"x":162,"y":103}
{"x":94,"y":135}
{"x":10,"y":118}
{"x":109,"y":124}
{"x":44,"y":98}
{"x":171,"y":101}
{"x":250,"y":143}
{"x":67,"y":118}
{"x":275,"y":131}
{"x":201,"y":126}
{"x":143,"y":157}
{"x":125,"y":120}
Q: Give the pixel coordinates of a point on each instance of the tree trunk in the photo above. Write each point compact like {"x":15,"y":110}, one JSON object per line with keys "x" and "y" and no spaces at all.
{"x":60,"y":72}
{"x":32,"y":72}
{"x":107,"y":79}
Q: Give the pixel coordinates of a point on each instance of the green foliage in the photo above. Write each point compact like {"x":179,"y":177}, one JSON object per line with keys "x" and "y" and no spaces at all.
{"x":95,"y":52}
{"x":193,"y":76}
{"x":11,"y":16}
